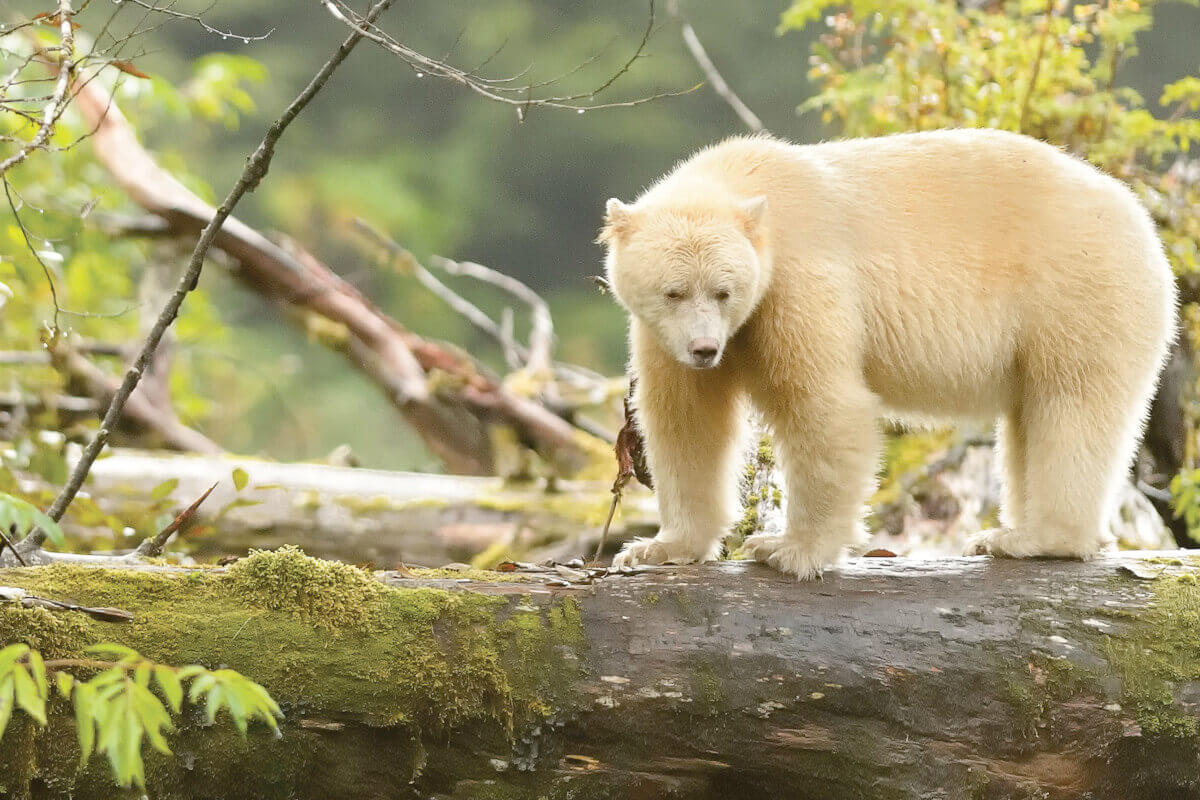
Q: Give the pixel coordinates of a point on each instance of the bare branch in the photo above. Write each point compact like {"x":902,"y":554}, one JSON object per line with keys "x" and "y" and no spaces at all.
{"x":153,"y":545}
{"x":748,"y":117}
{"x":508,"y":90}
{"x":406,"y":262}
{"x":541,"y":334}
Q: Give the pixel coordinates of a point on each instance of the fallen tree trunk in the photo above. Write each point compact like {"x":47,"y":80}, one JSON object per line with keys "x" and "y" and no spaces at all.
{"x":952,"y":678}
{"x":367,"y":516}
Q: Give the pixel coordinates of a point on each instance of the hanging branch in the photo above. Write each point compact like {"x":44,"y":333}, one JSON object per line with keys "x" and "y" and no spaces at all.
{"x":256,"y":168}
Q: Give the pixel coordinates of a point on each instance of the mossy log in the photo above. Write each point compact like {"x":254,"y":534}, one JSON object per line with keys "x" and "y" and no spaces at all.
{"x":956,"y":679}
{"x":370,"y":516}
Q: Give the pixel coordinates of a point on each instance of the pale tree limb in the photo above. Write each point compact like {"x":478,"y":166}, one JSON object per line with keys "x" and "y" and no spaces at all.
{"x":256,"y":168}
{"x":541,"y":333}
{"x":59,"y":97}
{"x":714,"y":77}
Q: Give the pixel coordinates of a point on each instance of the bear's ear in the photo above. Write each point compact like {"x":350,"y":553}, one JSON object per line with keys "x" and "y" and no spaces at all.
{"x":752,"y":212}
{"x":618,"y":218}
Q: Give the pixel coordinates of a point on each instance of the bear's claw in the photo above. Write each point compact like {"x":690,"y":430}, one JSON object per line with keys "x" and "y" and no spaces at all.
{"x":644,"y":550}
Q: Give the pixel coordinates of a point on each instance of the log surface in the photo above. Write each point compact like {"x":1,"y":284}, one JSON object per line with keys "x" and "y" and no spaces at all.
{"x":957,"y":679}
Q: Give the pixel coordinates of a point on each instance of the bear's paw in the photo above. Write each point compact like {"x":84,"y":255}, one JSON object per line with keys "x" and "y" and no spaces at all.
{"x":803,"y":558}
{"x":1018,"y":543}
{"x":661,"y":550}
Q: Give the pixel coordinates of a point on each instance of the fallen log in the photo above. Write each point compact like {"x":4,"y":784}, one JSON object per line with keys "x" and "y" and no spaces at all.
{"x":364,"y":515}
{"x":952,"y":678}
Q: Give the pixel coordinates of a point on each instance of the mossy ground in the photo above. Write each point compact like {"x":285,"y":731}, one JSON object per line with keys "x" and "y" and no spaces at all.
{"x":323,"y":637}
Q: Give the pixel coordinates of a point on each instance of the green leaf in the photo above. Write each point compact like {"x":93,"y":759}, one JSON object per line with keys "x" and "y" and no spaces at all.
{"x":22,"y":516}
{"x":6,"y":702}
{"x":38,"y":668}
{"x":201,"y":685}
{"x":28,"y":697}
{"x":169,"y":683}
{"x":164,"y":489}
{"x":112,"y":650}
{"x":10,"y":655}
{"x":65,"y":682}
{"x":213,"y":701}
{"x":240,"y":478}
{"x":85,"y":722}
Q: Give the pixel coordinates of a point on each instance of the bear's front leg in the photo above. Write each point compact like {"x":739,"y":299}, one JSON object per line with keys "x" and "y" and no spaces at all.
{"x":692,"y":425}
{"x":828,"y":449}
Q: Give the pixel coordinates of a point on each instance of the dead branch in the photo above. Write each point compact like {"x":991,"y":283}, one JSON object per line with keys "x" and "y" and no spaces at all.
{"x":153,"y":545}
{"x":541,"y":333}
{"x":139,"y":408}
{"x":700,"y":55}
{"x":509,"y":90}
{"x":256,"y":168}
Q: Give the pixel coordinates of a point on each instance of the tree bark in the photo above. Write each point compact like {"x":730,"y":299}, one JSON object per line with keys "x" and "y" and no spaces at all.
{"x":954,"y":678}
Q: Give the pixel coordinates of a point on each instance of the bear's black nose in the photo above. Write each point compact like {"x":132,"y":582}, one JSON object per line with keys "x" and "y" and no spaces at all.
{"x":704,"y":351}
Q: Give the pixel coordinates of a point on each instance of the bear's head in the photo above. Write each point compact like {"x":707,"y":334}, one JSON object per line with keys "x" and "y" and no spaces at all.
{"x":693,"y":273}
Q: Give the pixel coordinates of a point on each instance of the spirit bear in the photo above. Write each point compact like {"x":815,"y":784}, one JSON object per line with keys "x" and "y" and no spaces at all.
{"x":948,"y":275}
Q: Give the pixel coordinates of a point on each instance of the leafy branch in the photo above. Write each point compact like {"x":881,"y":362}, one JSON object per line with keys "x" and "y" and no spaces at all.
{"x":129,"y":700}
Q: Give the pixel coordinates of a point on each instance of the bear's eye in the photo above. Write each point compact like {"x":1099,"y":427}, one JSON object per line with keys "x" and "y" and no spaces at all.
{"x":675,"y":294}
{"x":722,"y":296}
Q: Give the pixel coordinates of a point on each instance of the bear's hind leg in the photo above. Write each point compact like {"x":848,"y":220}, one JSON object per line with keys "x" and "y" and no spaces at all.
{"x":1079,"y":446}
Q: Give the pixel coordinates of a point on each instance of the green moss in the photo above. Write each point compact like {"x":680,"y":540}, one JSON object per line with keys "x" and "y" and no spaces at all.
{"x":328,"y":593}
{"x":327,"y":637}
{"x":480,"y":575}
{"x":54,"y":635}
{"x":570,"y":507}
{"x":1160,"y":650}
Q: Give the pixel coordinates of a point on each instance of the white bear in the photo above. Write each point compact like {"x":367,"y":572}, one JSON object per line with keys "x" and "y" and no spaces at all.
{"x":950,"y":274}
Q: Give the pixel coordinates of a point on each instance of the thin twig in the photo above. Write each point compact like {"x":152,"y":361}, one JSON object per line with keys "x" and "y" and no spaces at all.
{"x":694,"y":46}
{"x":153,"y":546}
{"x":507,"y":90}
{"x":256,"y":167}
{"x":4,"y":540}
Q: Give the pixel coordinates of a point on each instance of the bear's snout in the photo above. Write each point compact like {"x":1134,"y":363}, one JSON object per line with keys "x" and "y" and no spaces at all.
{"x":704,"y":351}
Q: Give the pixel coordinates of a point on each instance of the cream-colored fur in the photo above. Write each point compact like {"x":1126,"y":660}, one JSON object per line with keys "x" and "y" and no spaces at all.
{"x":942,"y":275}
